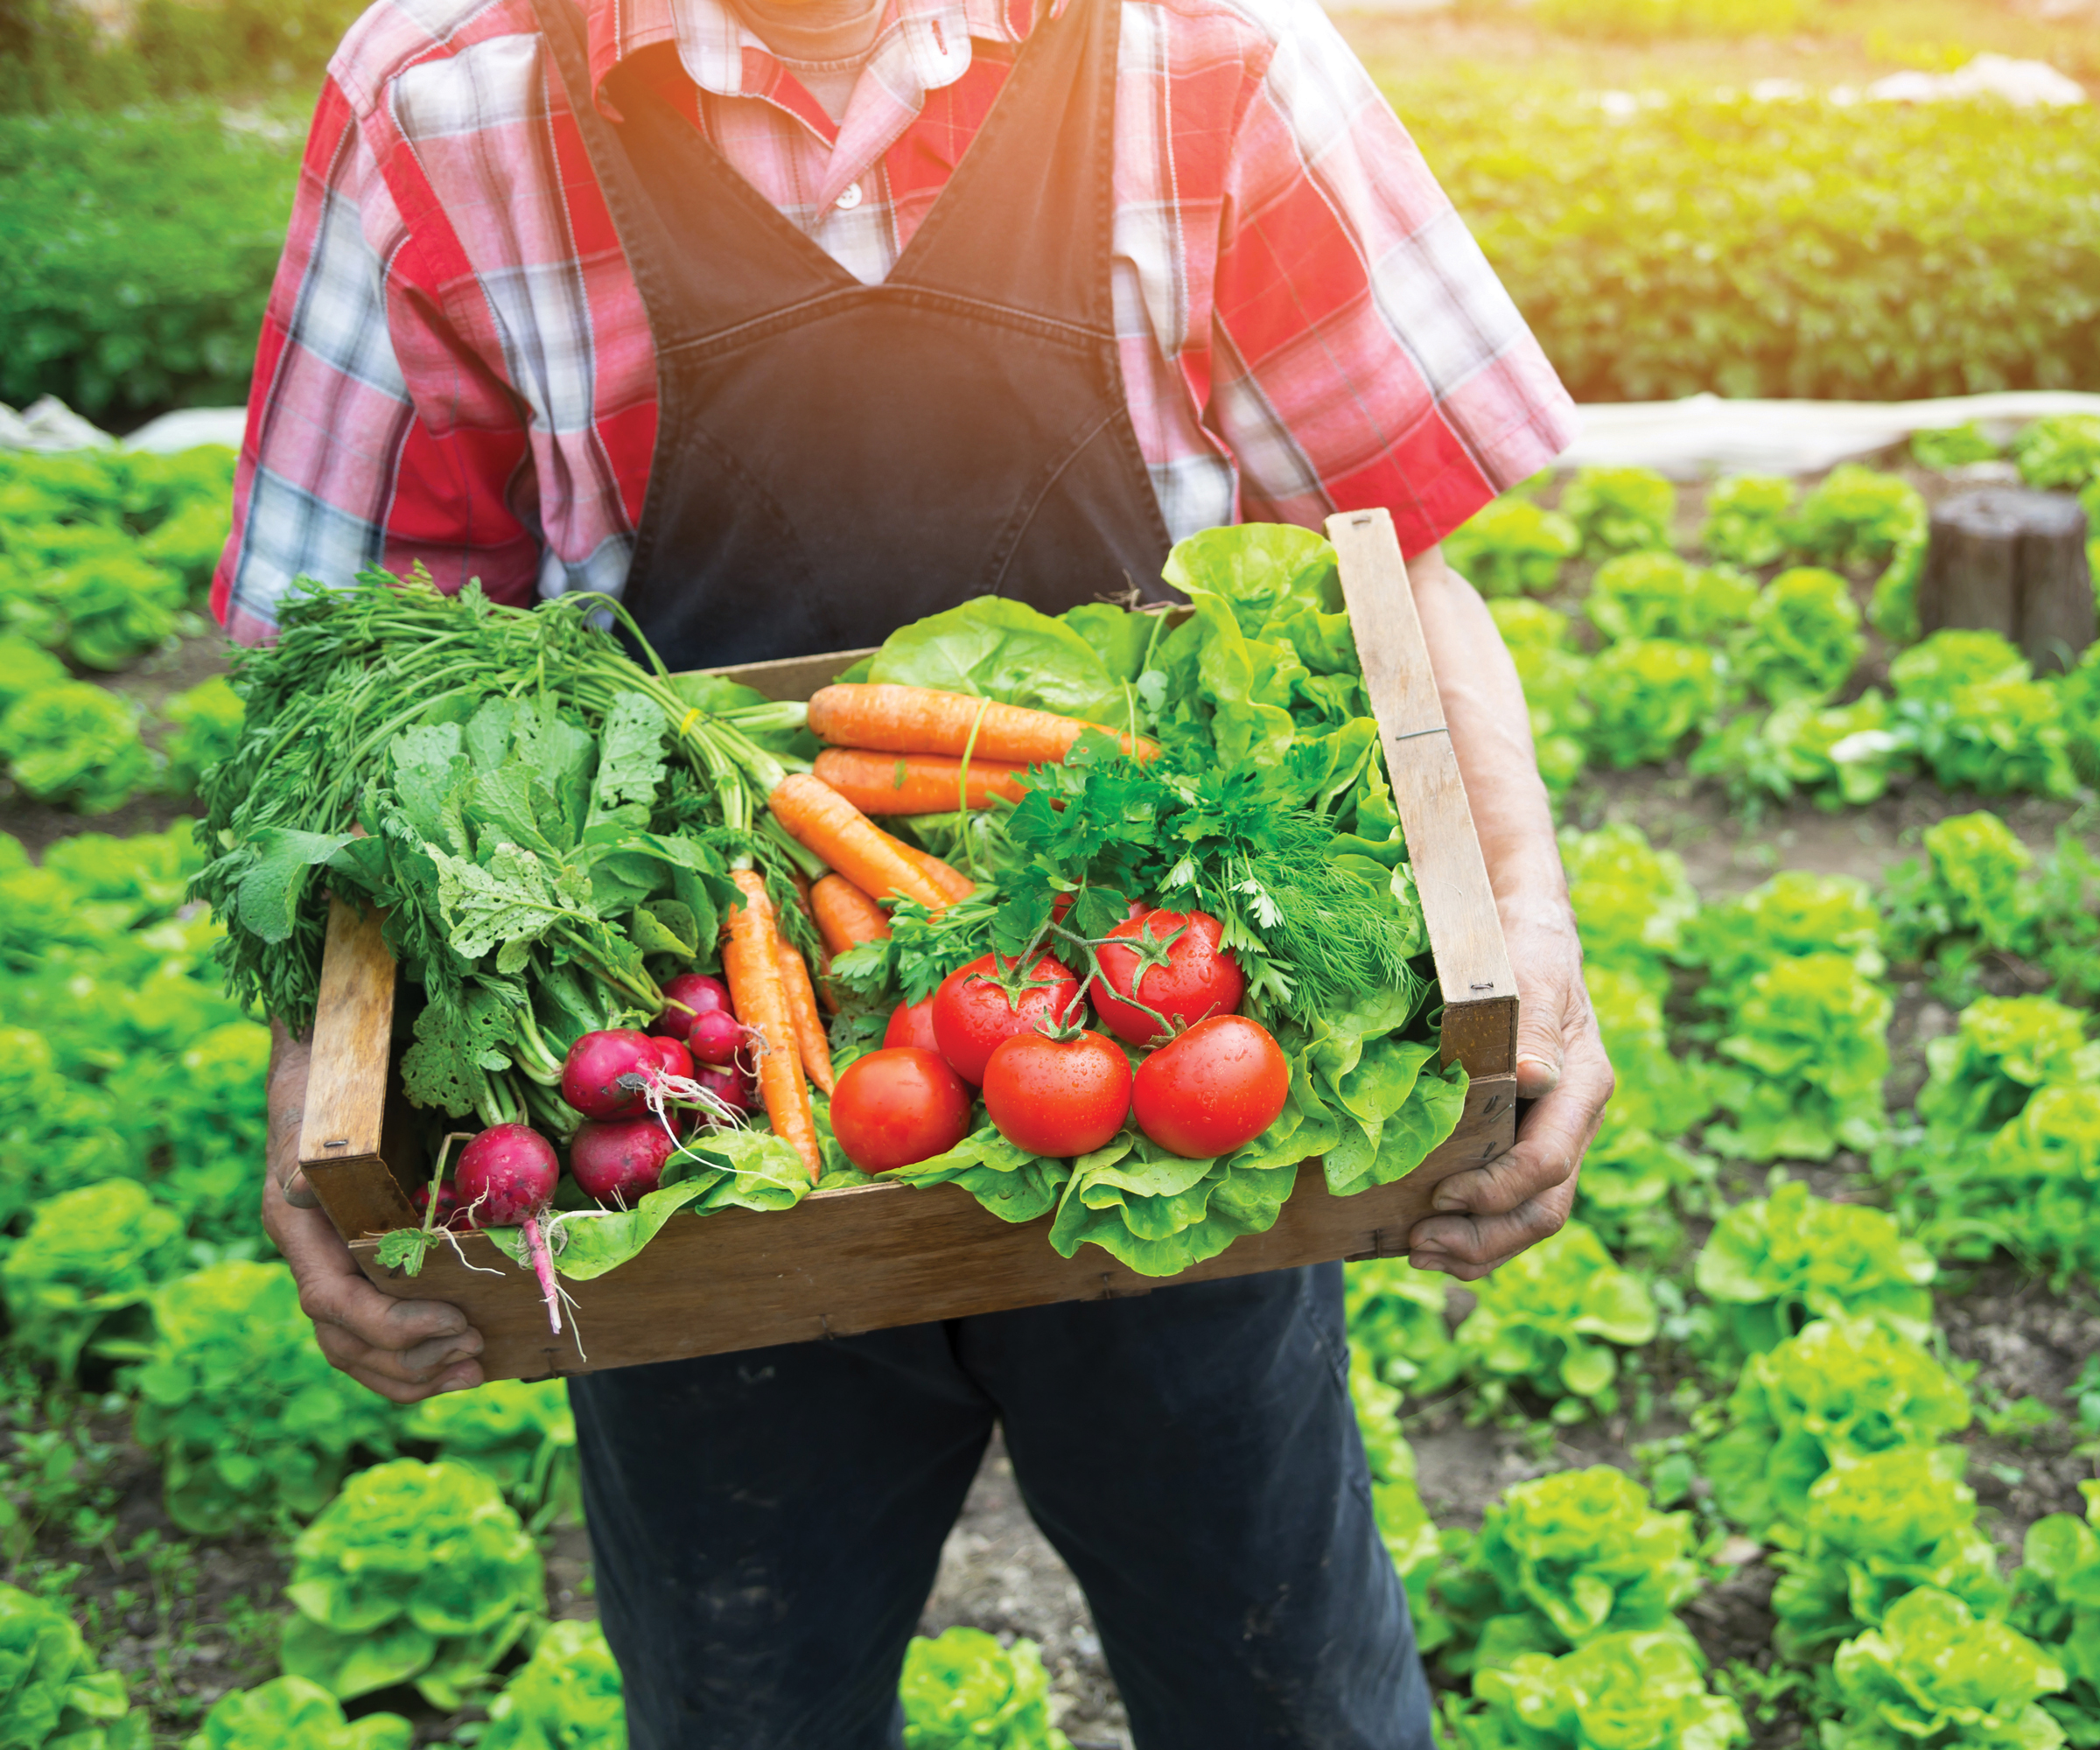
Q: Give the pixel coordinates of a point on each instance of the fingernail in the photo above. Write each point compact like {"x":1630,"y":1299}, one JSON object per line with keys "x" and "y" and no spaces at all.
{"x":460,"y":1380}
{"x":1448,"y":1203}
{"x":1549,"y":1069}
{"x":1423,"y":1259}
{"x":461,"y":1354}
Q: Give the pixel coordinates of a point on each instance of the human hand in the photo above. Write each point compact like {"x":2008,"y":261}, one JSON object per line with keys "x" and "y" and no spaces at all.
{"x":1486,"y":1215}
{"x":406,"y":1350}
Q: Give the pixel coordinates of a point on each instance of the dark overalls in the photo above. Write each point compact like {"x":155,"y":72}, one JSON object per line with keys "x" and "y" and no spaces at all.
{"x":835,"y":460}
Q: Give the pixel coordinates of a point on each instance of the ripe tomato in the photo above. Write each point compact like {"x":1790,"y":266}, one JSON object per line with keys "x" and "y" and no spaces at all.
{"x":973,"y":1013}
{"x":1218,"y":1086}
{"x":897,"y":1106}
{"x":1057,"y":1097}
{"x":1179,"y":970}
{"x":911,"y":1024}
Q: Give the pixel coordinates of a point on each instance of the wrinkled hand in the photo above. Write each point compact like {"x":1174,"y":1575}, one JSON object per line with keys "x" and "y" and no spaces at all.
{"x":1488,"y":1215}
{"x":406,"y":1350}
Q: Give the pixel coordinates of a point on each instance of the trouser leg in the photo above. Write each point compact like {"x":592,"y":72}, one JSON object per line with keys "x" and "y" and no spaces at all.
{"x":1195,"y":1457}
{"x":766,"y":1527}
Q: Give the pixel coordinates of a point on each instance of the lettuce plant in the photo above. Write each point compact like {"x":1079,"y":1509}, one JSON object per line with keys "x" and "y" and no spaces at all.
{"x":1564,"y":1559}
{"x":1745,"y":519}
{"x":1629,"y":1176}
{"x":1409,"y":1535}
{"x":1837,"y":1390}
{"x":290,"y":1714}
{"x":201,"y":727}
{"x":1649,"y":694}
{"x":1779,"y":1261}
{"x":78,"y":1281}
{"x":1659,"y":1089}
{"x":1512,"y":546}
{"x":1857,"y":515}
{"x":519,"y":1431}
{"x":965,"y":1691}
{"x":52,"y":1697}
{"x":1657,"y":594}
{"x":1618,"y":1692}
{"x":2059,"y":454}
{"x":2078,"y":692}
{"x":416,"y":1573}
{"x":1548,"y":1319}
{"x":1875,"y":1528}
{"x":1556,"y":681}
{"x":1397,"y":1325}
{"x":1934,"y":1675}
{"x":1953,"y":447}
{"x":1983,"y":1074}
{"x":1796,"y":913}
{"x":1840,"y":756}
{"x":25,"y":667}
{"x":2056,"y":1604}
{"x":1813,"y":1033}
{"x":1632,"y":901}
{"x":250,"y":1423}
{"x":1802,"y":639}
{"x":1620,"y":510}
{"x":1970,"y":882}
{"x":566,"y":1696}
{"x":75,"y":745}
{"x":1979,"y":718}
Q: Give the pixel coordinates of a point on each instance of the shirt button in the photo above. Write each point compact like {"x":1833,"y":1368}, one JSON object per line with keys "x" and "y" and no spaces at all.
{"x":849,"y":197}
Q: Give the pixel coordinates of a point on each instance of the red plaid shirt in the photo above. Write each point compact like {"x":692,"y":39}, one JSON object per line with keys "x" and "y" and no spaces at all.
{"x":455,"y":365}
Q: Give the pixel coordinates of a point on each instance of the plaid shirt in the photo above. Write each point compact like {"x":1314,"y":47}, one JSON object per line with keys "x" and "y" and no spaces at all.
{"x":456,"y":367}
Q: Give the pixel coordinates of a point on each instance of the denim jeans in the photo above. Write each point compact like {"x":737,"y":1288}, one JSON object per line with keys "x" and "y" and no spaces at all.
{"x":767,"y":1525}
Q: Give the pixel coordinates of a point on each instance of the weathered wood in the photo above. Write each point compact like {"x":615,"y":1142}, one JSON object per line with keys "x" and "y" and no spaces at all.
{"x":792,"y":677}
{"x":861,"y":1259}
{"x":2011,"y":562}
{"x":343,"y":1133}
{"x":1458,"y":903}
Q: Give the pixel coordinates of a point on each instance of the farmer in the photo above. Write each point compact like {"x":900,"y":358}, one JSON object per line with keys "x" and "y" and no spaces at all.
{"x":767,"y":315}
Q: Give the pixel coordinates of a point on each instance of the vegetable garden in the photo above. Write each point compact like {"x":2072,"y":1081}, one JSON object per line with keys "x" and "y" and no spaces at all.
{"x":1791,"y":1437}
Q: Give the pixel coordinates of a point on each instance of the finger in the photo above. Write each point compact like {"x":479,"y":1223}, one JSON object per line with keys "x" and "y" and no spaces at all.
{"x":1486,"y":1243}
{"x":334,"y":1291}
{"x":296,"y":1192}
{"x":461,"y":1379}
{"x":1547,"y":956}
{"x":418,"y":1366}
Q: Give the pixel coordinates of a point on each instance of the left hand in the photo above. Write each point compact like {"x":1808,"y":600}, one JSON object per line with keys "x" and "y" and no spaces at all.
{"x":1486,"y":1215}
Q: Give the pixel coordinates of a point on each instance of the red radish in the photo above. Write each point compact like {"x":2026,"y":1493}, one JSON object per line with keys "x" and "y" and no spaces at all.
{"x":699,"y":996}
{"x":448,"y":1204}
{"x":505,"y":1179}
{"x":714,"y":1037}
{"x":593,"y":1073}
{"x":619,"y":1162}
{"x":675,"y":1059}
{"x":732,"y":1089}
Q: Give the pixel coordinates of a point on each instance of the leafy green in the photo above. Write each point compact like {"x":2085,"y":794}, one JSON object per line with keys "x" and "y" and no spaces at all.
{"x":1778,"y":1261}
{"x":1953,"y":447}
{"x":1840,"y":755}
{"x":999,"y":648}
{"x":250,"y":1422}
{"x":76,"y":745}
{"x":1565,"y":1559}
{"x":1815,"y":1031}
{"x":1395,"y":1317}
{"x":1639,"y":1688}
{"x":1835,"y":1390}
{"x":414,"y":1573}
{"x":1980,"y":720}
{"x":1649,"y":694}
{"x":2056,"y":1604}
{"x":290,"y":1714}
{"x":567,"y":1697}
{"x":203,"y":727}
{"x":1404,"y":1527}
{"x":25,"y":667}
{"x":962,"y":1689}
{"x":1933,"y":1674}
{"x":1656,"y":594}
{"x":1857,"y":515}
{"x":1803,"y":637}
{"x":1512,"y":546}
{"x":1796,"y":912}
{"x":1548,"y":1319}
{"x":2058,"y":451}
{"x":78,"y":1282}
{"x":1633,"y":903}
{"x":1629,"y":1178}
{"x":1620,"y":510}
{"x":1661,"y":1089}
{"x":2002,"y":1048}
{"x":1876,"y":1527}
{"x":1556,"y":682}
{"x":51,"y":1698}
{"x":1746,"y":518}
{"x":519,"y":1431}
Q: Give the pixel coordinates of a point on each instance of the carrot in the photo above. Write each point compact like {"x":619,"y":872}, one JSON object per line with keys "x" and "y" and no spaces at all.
{"x":845,"y":916}
{"x":915,"y":783}
{"x":952,"y":882}
{"x":824,"y":821}
{"x":924,"y":720}
{"x":810,"y":1045}
{"x":751,"y":961}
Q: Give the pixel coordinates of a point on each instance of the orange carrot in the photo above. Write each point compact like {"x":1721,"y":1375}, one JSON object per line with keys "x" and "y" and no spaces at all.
{"x":845,"y":916}
{"x":924,"y":720}
{"x":952,"y":882}
{"x":824,"y":821}
{"x":751,"y":961}
{"x":915,"y":783}
{"x":810,"y":1045}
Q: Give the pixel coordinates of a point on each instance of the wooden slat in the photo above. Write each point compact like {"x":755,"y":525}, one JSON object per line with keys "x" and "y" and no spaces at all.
{"x":844,"y":1262}
{"x":792,"y":677}
{"x":1457,"y":904}
{"x":341,"y":1136}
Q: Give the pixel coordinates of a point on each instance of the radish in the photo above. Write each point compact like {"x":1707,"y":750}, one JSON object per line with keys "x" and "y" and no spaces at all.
{"x":448,"y":1204}
{"x":506,"y":1178}
{"x":675,"y":1059}
{"x":594,"y":1073}
{"x":714,"y":1038}
{"x":621,"y":1162}
{"x":687,"y":997}
{"x":732,"y":1088}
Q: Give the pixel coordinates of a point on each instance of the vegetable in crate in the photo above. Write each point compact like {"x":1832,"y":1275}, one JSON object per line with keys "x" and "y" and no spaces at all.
{"x":899,"y":1106}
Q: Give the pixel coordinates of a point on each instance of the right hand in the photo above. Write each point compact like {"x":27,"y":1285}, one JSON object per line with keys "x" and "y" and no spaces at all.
{"x":406,"y":1350}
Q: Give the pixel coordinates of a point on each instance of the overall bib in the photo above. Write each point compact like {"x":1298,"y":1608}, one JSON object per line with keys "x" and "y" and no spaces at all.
{"x":832,"y":460}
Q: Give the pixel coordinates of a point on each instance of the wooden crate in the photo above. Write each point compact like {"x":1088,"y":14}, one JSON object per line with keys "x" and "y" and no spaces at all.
{"x":862,"y":1258}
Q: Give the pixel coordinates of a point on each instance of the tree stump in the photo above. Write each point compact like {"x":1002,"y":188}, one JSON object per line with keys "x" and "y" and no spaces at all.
{"x":2014,"y":561}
